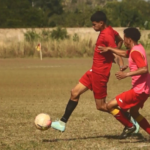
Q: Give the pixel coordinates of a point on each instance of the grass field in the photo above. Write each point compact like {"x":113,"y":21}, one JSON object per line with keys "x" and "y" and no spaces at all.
{"x":30,"y":86}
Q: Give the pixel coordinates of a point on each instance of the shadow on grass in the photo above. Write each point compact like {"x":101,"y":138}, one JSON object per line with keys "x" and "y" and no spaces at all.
{"x":138,"y":138}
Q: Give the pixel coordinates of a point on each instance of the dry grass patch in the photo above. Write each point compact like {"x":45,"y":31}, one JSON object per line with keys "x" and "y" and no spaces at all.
{"x":30,"y":86}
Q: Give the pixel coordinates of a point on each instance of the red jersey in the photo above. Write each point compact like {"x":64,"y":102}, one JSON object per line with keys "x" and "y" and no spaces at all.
{"x":102,"y":62}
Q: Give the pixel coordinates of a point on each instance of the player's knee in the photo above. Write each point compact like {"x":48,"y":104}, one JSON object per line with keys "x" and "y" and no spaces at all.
{"x":109,"y":107}
{"x":101,"y":107}
{"x":74,"y":94}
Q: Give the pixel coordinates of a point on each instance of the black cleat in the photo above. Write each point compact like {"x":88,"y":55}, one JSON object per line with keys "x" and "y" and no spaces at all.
{"x":127,"y":132}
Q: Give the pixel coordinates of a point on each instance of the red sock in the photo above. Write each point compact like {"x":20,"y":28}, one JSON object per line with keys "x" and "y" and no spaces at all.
{"x":121,"y":118}
{"x":143,"y":123}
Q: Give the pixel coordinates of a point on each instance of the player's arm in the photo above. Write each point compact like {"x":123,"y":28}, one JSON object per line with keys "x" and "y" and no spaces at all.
{"x":119,"y":41}
{"x":139,"y":71}
{"x":117,"y":51}
{"x":142,"y":67}
{"x":110,"y":42}
{"x":138,"y":58}
{"x":119,"y":61}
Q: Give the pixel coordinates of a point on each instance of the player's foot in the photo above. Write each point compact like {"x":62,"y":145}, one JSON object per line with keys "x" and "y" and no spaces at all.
{"x":127,"y":114}
{"x":127,"y":132}
{"x":59,"y":125}
{"x":136,"y":124}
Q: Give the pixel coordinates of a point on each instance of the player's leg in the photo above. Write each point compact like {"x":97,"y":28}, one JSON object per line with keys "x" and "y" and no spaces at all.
{"x":83,"y":85}
{"x":112,"y":107}
{"x":72,"y":103}
{"x":99,"y":85}
{"x":101,"y":104}
{"x":140,"y":119}
{"x":129,"y":117}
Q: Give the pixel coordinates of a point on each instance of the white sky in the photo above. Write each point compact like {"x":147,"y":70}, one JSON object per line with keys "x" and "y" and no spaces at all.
{"x":121,"y":0}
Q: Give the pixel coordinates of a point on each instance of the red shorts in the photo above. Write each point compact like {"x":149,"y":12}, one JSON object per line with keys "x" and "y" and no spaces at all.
{"x":95,"y":82}
{"x":129,"y":99}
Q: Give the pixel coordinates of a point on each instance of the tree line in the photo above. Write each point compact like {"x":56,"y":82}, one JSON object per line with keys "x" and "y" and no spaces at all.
{"x":72,"y":13}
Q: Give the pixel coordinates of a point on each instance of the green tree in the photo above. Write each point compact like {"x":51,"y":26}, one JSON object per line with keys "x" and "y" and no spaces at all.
{"x":124,"y":13}
{"x":20,"y":14}
{"x":49,"y":7}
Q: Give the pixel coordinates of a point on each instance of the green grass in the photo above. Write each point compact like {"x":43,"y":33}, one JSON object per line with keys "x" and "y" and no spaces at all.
{"x":31,"y":86}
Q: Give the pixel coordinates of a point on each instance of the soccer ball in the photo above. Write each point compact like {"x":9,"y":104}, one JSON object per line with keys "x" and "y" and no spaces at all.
{"x":42,"y":121}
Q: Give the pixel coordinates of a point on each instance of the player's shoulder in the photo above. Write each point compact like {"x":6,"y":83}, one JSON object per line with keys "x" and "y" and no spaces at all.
{"x":114,"y":31}
{"x":138,"y":49}
{"x":110,"y":31}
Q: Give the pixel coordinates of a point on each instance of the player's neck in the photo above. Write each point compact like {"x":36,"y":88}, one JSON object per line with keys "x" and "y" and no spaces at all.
{"x":104,"y":27}
{"x":133,"y":44}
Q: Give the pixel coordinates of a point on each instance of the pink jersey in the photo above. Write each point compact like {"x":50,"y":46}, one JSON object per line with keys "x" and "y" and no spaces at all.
{"x":140,"y":83}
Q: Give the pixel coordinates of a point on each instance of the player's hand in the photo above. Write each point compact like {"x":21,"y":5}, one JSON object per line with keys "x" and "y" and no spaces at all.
{"x":123,"y":68}
{"x":121,"y":75}
{"x":103,"y":49}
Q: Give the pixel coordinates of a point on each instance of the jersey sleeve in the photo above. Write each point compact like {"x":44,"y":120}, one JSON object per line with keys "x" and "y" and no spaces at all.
{"x":115,"y":33}
{"x":138,"y":59}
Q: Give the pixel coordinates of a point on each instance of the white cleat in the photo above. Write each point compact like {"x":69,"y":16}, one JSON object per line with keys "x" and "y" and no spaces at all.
{"x":136,"y":124}
{"x":59,"y":125}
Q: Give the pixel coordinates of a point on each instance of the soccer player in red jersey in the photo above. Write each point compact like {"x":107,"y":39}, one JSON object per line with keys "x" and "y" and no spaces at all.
{"x":134,"y":98}
{"x":97,"y":77}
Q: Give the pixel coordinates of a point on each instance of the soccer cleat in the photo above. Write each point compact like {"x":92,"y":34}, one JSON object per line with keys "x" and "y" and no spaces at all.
{"x":129,"y":117}
{"x":136,"y":124}
{"x":127,"y":132}
{"x":59,"y":125}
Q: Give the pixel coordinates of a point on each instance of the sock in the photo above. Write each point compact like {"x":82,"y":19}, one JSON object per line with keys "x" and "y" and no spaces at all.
{"x":121,"y":118}
{"x":143,"y":123}
{"x":69,"y":109}
{"x":126,"y":114}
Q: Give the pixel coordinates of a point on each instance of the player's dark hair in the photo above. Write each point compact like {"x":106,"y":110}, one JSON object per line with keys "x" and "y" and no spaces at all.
{"x":99,"y":16}
{"x":132,"y":33}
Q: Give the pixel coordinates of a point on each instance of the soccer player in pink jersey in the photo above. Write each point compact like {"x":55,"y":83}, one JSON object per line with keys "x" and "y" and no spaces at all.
{"x":134,"y":98}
